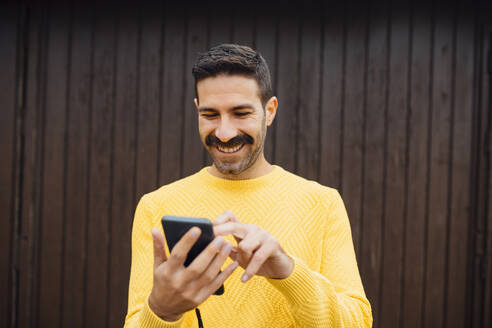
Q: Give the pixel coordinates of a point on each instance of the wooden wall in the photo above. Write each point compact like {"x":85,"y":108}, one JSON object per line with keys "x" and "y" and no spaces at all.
{"x":388,"y":102}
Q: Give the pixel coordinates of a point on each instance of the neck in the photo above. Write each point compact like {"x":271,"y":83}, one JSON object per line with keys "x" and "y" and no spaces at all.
{"x":259,"y":168}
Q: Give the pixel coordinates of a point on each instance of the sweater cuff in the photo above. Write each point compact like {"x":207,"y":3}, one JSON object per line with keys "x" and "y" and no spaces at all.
{"x":301,"y":287}
{"x":150,"y":320}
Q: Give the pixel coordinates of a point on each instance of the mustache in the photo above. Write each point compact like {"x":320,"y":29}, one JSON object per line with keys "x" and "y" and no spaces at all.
{"x":212,"y":140}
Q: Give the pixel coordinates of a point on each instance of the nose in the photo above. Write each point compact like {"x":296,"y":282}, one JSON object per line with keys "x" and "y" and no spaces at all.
{"x":226,"y":130}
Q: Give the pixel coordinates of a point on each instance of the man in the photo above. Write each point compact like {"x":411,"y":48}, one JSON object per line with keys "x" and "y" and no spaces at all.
{"x":283,"y":243}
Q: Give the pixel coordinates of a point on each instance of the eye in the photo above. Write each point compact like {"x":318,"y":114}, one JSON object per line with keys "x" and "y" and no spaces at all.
{"x":241,"y":113}
{"x":209,"y":115}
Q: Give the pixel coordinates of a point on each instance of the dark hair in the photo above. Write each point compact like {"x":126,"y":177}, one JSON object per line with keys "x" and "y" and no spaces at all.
{"x":232,"y":59}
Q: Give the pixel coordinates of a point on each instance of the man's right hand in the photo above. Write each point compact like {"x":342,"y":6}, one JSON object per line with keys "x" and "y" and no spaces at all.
{"x":177,"y":288}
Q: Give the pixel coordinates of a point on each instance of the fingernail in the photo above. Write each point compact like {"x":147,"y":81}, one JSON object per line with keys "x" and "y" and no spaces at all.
{"x":195,"y":232}
{"x":244,"y":278}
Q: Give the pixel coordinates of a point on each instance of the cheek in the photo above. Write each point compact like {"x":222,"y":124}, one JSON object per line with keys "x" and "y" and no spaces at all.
{"x":205,"y":127}
{"x":251,"y":127}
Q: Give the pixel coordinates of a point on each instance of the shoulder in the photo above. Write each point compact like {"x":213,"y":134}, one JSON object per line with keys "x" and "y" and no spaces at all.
{"x":310,"y":190}
{"x":177,"y":189}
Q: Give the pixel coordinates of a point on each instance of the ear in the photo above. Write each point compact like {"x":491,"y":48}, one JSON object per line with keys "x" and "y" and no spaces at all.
{"x":196,"y":102}
{"x":271,"y":110}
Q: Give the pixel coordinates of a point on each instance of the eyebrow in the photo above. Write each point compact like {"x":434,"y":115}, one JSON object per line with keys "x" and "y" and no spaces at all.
{"x":237,"y":107}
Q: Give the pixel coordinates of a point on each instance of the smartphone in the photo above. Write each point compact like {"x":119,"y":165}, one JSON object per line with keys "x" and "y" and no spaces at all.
{"x":176,"y":226}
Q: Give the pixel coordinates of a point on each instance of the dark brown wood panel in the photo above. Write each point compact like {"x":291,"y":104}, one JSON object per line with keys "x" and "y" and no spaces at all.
{"x":53,"y":169}
{"x":461,"y":138}
{"x":220,"y":28}
{"x":480,"y":281}
{"x":374,"y":134}
{"x":29,"y":226}
{"x":287,"y":91}
{"x":9,"y":140}
{"x":440,"y":116}
{"x":123,"y":167}
{"x":243,"y":28}
{"x":173,"y":101}
{"x":308,"y":145}
{"x":196,"y":41}
{"x":396,"y":163}
{"x":150,"y":67}
{"x":353,"y":115}
{"x":386,"y":101}
{"x":265,"y":43}
{"x":487,"y":304}
{"x":104,"y":59}
{"x":479,"y":191}
{"x":418,"y":157}
{"x":332,"y":91}
{"x":77,"y":165}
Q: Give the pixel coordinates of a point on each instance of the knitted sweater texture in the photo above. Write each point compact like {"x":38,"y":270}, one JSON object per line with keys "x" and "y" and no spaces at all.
{"x":309,"y":221}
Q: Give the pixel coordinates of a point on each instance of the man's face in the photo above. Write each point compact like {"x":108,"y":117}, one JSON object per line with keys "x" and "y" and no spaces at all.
{"x":232,"y":122}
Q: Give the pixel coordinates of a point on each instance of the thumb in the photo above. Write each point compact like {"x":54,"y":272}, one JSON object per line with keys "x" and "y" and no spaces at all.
{"x":159,"y":248}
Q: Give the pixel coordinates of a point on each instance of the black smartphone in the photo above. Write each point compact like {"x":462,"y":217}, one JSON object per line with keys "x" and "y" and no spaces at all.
{"x":176,"y":226}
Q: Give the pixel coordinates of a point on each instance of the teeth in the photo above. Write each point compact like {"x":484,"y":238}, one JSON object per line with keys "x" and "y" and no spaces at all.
{"x":229,"y":149}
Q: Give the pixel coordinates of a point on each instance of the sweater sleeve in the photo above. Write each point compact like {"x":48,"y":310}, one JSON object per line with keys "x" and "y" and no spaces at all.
{"x":334,"y":296}
{"x":141,"y":273}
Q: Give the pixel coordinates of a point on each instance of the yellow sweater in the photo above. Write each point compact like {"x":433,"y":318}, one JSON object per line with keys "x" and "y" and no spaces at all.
{"x":309,"y":221}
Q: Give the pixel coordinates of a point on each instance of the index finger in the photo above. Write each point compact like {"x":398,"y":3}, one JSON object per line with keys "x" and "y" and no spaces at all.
{"x":183,"y":246}
{"x":237,"y":229}
{"x":226,"y":216}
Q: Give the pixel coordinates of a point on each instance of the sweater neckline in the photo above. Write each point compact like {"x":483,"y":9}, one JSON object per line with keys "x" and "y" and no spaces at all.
{"x":264,"y":180}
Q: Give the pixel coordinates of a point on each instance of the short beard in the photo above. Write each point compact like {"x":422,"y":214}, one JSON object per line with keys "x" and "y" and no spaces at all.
{"x":246,"y":163}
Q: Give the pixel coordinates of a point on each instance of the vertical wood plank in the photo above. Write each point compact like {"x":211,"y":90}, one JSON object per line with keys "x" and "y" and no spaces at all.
{"x":265,"y":42}
{"x":76,"y":157}
{"x":417,"y":198}
{"x":172,"y":96}
{"x":479,"y":189}
{"x":353,"y":122}
{"x":123,"y":188}
{"x":396,"y":161}
{"x":149,"y":99}
{"x":461,"y":138}
{"x":287,"y":90}
{"x":9,"y":125}
{"x":193,"y":151}
{"x":51,"y":216}
{"x":377,"y":87}
{"x":99,"y":189}
{"x":487,"y":320}
{"x":309,"y":93}
{"x":243,"y":26}
{"x":440,"y":166}
{"x":29,"y":229}
{"x":332,"y":100}
{"x":480,"y":280}
{"x":220,"y":27}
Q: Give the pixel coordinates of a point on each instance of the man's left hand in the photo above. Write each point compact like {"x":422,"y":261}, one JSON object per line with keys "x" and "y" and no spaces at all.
{"x":257,"y":251}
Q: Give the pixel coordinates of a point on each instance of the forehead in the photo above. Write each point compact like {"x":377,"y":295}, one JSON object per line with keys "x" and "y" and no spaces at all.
{"x":222,"y":87}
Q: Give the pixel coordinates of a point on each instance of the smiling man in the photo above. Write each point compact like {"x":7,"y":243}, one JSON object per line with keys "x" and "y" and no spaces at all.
{"x":283,"y":243}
